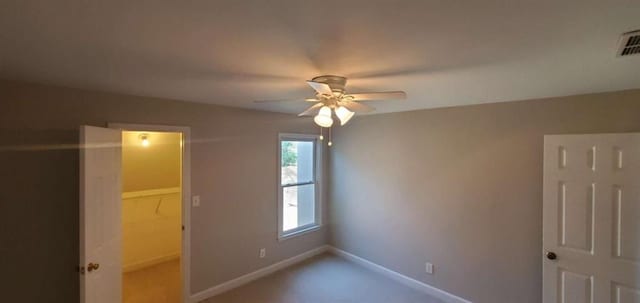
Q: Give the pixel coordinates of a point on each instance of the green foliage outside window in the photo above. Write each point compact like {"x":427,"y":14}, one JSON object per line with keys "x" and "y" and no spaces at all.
{"x":289,"y":154}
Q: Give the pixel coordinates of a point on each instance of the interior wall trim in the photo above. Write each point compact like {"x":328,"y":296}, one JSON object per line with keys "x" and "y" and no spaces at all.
{"x":242,"y":280}
{"x":413,"y":283}
{"x":150,"y":262}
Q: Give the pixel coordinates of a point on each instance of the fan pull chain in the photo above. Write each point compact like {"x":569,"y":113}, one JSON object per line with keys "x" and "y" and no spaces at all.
{"x":321,"y":136}
{"x":330,"y":143}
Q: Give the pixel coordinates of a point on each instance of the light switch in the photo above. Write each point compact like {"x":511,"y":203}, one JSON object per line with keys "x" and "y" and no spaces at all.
{"x":195,"y":201}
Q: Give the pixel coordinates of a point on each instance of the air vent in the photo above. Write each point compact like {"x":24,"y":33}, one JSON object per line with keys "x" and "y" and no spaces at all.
{"x":629,"y":44}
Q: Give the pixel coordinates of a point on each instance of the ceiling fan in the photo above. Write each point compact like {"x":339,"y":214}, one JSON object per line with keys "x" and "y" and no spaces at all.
{"x":331,"y":97}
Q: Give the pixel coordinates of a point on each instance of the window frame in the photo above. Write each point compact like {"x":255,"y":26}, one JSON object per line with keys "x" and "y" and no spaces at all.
{"x":317,"y":181}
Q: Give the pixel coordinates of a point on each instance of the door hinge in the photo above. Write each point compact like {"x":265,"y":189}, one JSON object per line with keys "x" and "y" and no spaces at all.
{"x":182,"y":227}
{"x":80,"y":269}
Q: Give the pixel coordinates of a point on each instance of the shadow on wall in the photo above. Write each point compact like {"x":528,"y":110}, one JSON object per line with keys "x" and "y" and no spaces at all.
{"x":38,"y":212}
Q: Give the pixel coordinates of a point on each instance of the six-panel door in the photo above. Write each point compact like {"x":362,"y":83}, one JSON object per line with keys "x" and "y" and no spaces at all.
{"x":591,"y":218}
{"x":100,"y":215}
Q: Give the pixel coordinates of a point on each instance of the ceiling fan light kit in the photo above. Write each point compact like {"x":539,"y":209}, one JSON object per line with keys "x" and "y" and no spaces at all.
{"x":323,"y":118}
{"x":344,"y":114}
{"x":331,"y":97}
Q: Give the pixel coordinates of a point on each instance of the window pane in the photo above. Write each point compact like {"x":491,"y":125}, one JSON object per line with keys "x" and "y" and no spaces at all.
{"x":297,"y":162}
{"x":298,"y":207}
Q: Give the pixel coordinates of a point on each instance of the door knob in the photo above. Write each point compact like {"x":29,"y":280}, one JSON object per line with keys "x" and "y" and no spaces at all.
{"x":92,"y":266}
{"x":551,"y":255}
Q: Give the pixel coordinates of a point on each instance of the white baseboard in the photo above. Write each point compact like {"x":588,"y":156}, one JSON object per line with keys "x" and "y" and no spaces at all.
{"x":415,"y":284}
{"x":150,"y":262}
{"x":242,"y":280}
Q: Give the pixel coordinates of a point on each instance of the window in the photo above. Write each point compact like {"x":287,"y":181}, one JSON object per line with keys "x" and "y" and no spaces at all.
{"x":298,"y":187}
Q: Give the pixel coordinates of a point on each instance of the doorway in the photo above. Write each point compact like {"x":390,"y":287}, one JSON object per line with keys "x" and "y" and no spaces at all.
{"x":155,"y":213}
{"x":103,"y":253}
{"x":151,"y":216}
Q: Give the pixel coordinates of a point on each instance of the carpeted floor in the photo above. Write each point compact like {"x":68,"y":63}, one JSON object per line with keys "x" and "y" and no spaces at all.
{"x":156,"y":284}
{"x":324,"y":279}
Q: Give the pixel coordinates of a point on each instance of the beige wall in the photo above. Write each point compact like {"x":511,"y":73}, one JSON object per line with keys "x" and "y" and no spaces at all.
{"x":234,"y":171}
{"x":150,"y":167}
{"x":151,"y":229}
{"x":460,"y":187}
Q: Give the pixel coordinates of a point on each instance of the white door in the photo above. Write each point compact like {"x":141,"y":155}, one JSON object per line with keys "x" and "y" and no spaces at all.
{"x":591,"y":218}
{"x":100,"y":207}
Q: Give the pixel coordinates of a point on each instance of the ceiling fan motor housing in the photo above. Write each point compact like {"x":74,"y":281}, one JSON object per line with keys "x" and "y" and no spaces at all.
{"x":336,"y":83}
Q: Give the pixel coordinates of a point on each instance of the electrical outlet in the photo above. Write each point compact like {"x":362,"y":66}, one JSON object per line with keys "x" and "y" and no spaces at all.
{"x":428,"y":267}
{"x":263,"y":252}
{"x":195,"y":201}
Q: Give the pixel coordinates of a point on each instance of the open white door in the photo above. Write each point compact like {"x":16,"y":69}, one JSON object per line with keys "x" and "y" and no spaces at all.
{"x":591,"y":219}
{"x":100,"y":207}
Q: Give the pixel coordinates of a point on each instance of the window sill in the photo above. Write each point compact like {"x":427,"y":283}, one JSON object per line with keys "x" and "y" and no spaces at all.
{"x":297,"y":233}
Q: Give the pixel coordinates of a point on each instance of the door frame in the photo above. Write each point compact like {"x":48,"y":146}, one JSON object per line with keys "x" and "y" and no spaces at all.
{"x":185,"y":257}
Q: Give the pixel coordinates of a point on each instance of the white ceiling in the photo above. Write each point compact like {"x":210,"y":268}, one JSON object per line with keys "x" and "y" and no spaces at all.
{"x":442,"y":53}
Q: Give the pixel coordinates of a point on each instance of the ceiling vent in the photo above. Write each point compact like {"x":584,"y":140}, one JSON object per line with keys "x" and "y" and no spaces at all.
{"x":629,"y":44}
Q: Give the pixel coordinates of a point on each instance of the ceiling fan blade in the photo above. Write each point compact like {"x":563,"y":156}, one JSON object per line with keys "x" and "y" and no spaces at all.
{"x":286,"y":100}
{"x":321,"y":88}
{"x":311,"y":110}
{"x":397,"y":95}
{"x":357,"y":107}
